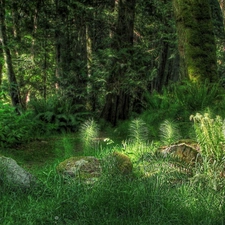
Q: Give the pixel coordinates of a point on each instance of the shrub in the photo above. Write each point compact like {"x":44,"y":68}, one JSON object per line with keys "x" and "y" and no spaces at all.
{"x":57,"y":114}
{"x":14,"y":128}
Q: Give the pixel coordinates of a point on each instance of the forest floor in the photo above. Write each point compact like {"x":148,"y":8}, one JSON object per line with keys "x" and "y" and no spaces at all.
{"x":156,"y":194}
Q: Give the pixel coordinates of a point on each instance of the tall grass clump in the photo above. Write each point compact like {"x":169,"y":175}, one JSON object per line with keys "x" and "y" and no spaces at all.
{"x":210,"y":135}
{"x":89,"y":132}
{"x":169,"y":132}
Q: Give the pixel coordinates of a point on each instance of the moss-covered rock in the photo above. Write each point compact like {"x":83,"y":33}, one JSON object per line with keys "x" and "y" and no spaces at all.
{"x":186,"y":151}
{"x":85,"y":168}
{"x":122,"y":163}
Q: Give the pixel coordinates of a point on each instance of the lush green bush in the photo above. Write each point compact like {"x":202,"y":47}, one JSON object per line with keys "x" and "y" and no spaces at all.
{"x":14,"y":128}
{"x":57,"y":114}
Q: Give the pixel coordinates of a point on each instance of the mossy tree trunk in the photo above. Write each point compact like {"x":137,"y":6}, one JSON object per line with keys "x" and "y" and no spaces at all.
{"x":196,"y":41}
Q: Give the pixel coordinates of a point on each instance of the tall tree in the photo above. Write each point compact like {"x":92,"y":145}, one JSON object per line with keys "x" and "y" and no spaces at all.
{"x":71,"y":49}
{"x":196,"y":39}
{"x":99,"y":27}
{"x":118,"y":102}
{"x":166,"y":45}
{"x":14,"y":89}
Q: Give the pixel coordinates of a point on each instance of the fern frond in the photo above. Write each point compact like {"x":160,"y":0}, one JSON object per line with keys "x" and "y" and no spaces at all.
{"x":88,"y":132}
{"x":169,"y":132}
{"x":138,"y":130}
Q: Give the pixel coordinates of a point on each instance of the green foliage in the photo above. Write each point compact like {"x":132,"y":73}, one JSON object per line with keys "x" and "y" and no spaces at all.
{"x":138,"y":131}
{"x":14,"y":128}
{"x":209,"y":174}
{"x":162,"y":106}
{"x":88,"y":134}
{"x":210,"y":135}
{"x":193,"y":97}
{"x":178,"y":101}
{"x":169,"y":132}
{"x":57,"y":114}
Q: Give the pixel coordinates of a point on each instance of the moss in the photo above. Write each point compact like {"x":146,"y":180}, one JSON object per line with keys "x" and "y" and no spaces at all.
{"x":123,"y":163}
{"x":66,"y":164}
{"x":82,"y":167}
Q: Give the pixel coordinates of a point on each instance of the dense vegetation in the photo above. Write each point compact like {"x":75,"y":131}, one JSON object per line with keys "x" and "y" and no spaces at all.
{"x":94,"y":77}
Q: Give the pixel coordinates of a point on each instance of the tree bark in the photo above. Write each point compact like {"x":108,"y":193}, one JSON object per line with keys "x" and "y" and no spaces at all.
{"x":14,"y":89}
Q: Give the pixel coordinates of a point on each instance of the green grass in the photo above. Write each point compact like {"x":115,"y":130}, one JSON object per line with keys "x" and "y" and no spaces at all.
{"x":157,"y":193}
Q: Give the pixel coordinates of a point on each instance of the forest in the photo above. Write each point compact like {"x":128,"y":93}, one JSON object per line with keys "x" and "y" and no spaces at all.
{"x":113,"y":110}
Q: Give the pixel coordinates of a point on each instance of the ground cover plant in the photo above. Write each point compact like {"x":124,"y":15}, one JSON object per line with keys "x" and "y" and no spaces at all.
{"x":157,"y":192}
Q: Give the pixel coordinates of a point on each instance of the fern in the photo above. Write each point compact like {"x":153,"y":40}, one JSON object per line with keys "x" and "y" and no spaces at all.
{"x":210,"y":135}
{"x":138,"y":131}
{"x":58,"y":114}
{"x":88,"y":133}
{"x":169,"y":132}
{"x":194,"y":97}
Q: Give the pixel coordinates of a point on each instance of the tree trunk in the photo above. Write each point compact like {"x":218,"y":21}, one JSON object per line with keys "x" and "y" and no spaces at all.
{"x":98,"y":36}
{"x":14,"y":90}
{"x":162,"y":76}
{"x":71,"y":51}
{"x":117,"y":106}
{"x":196,"y":41}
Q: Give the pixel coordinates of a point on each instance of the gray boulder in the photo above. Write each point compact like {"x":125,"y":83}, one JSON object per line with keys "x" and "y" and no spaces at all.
{"x":13,"y":175}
